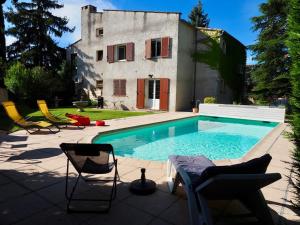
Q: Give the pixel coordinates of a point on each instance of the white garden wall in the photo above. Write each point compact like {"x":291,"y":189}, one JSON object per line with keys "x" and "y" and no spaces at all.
{"x":263,"y":113}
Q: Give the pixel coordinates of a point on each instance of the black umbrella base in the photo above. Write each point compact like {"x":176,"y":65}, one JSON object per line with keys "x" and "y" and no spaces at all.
{"x":142,"y":186}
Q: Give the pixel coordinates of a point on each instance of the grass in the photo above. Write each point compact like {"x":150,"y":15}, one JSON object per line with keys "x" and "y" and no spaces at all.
{"x":93,"y":113}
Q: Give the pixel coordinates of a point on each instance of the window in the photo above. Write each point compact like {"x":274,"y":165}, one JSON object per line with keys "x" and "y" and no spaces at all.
{"x":99,"y":32}
{"x":120,"y":87}
{"x":158,"y":48}
{"x":99,"y":84}
{"x":99,"y":55}
{"x":120,"y":52}
{"x":155,"y":48}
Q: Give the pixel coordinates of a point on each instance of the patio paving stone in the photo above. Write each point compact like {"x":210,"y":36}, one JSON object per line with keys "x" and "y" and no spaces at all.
{"x":32,"y":179}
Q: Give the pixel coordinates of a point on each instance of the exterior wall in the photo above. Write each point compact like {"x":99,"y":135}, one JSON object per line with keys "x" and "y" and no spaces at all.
{"x":185,"y":71}
{"x":88,"y":69}
{"x":210,"y":82}
{"x":120,"y":27}
{"x":123,"y":27}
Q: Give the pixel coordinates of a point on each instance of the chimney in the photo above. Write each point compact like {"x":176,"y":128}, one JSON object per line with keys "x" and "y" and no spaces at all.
{"x":89,"y":8}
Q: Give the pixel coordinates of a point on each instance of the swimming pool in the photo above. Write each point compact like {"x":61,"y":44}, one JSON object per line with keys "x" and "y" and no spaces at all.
{"x":213,"y":137}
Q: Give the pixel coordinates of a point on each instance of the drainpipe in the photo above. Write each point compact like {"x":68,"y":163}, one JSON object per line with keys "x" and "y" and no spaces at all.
{"x":195,"y":63}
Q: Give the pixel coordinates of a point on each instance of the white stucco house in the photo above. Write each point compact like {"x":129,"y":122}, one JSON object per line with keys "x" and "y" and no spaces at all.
{"x":143,"y":60}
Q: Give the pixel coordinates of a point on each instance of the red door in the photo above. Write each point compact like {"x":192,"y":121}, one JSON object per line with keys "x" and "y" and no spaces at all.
{"x":164,"y":94}
{"x":140,"y":102}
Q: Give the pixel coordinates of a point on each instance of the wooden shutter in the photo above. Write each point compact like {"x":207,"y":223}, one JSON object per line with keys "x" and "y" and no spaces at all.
{"x":123,"y":87}
{"x":116,"y":87}
{"x":148,"y":49}
{"x":130,"y":51}
{"x":165,"y":47}
{"x":110,"y":53}
{"x":140,"y":102}
{"x":164,"y":94}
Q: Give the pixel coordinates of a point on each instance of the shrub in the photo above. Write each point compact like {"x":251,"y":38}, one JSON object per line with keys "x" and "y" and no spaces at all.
{"x":210,"y":100}
{"x":17,"y":79}
{"x":30,"y":84}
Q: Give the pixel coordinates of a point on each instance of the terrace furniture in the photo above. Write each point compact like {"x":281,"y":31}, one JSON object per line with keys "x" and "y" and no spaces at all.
{"x":13,"y":113}
{"x":80,"y":105}
{"x":203,"y":181}
{"x":90,"y":159}
{"x":53,"y":119}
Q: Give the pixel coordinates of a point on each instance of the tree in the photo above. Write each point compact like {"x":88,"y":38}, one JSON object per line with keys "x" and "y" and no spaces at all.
{"x":2,"y":43}
{"x":34,"y":26}
{"x":197,"y":16}
{"x":31,"y":83}
{"x":293,"y":44}
{"x":271,"y":74}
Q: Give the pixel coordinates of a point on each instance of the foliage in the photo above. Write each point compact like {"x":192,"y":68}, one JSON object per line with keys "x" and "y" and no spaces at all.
{"x":37,"y":83}
{"x":94,"y":114}
{"x":34,"y":26}
{"x":293,"y":43}
{"x":271,"y":75}
{"x":2,"y":44}
{"x":29,"y":84}
{"x":17,"y":79}
{"x":209,"y":100}
{"x":229,"y":61}
{"x":65,"y":84}
{"x":197,"y":17}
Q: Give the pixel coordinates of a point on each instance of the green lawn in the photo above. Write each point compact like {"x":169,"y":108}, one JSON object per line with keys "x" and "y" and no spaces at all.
{"x":94,"y":114}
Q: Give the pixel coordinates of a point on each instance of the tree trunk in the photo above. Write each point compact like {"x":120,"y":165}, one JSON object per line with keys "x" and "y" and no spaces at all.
{"x":2,"y":43}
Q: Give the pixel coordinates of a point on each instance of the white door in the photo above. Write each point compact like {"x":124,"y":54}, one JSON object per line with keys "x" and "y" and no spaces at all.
{"x":154,"y":94}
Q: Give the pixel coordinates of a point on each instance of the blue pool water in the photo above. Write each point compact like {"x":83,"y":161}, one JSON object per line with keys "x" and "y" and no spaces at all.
{"x":216,"y":138}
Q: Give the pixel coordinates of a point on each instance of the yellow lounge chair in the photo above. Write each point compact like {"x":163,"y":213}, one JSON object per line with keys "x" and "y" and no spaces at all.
{"x":13,"y":113}
{"x":53,"y":119}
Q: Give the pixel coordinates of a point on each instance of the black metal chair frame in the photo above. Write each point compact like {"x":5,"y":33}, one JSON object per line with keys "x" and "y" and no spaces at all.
{"x":112,"y":196}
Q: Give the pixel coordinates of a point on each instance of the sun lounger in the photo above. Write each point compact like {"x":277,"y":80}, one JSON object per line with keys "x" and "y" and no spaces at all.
{"x":203,"y":181}
{"x":54,"y":119}
{"x":13,"y":113}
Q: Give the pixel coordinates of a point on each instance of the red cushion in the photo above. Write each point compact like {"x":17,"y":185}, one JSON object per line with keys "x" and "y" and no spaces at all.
{"x":100,"y":123}
{"x":82,"y":120}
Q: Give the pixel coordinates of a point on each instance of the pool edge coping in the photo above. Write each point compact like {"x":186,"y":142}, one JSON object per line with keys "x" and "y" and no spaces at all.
{"x":247,"y":156}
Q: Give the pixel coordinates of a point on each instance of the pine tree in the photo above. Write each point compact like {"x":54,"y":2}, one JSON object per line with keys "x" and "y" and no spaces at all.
{"x":2,"y":43}
{"x":197,"y":16}
{"x":35,"y":26}
{"x":271,"y":75}
{"x":293,"y":44}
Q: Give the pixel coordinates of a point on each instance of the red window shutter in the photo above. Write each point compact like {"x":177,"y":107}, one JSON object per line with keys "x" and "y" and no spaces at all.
{"x":140,"y":103}
{"x":130,"y":51}
{"x":123,"y":87}
{"x":110,"y":53}
{"x":164,"y":94}
{"x":116,"y":87}
{"x":148,"y":49}
{"x":165,"y":47}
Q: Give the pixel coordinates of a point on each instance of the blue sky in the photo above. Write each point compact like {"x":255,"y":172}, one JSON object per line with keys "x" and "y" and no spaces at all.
{"x":230,"y":15}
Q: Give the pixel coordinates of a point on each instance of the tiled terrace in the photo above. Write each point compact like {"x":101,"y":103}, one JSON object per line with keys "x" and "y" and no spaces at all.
{"x":32,"y":172}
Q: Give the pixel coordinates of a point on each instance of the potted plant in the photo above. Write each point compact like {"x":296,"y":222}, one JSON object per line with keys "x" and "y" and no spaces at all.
{"x":195,"y":106}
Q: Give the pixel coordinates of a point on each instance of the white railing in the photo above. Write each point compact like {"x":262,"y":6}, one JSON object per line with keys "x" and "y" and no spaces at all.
{"x":263,"y":113}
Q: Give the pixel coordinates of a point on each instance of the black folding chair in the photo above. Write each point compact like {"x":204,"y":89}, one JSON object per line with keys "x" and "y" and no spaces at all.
{"x":90,"y":159}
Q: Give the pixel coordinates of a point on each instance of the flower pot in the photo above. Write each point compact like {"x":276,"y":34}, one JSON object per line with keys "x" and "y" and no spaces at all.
{"x":195,"y":110}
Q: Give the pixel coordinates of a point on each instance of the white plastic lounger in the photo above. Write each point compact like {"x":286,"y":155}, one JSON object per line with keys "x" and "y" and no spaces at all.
{"x":203,"y":181}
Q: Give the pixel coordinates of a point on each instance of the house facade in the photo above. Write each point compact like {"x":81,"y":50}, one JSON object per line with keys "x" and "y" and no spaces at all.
{"x":143,"y":60}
